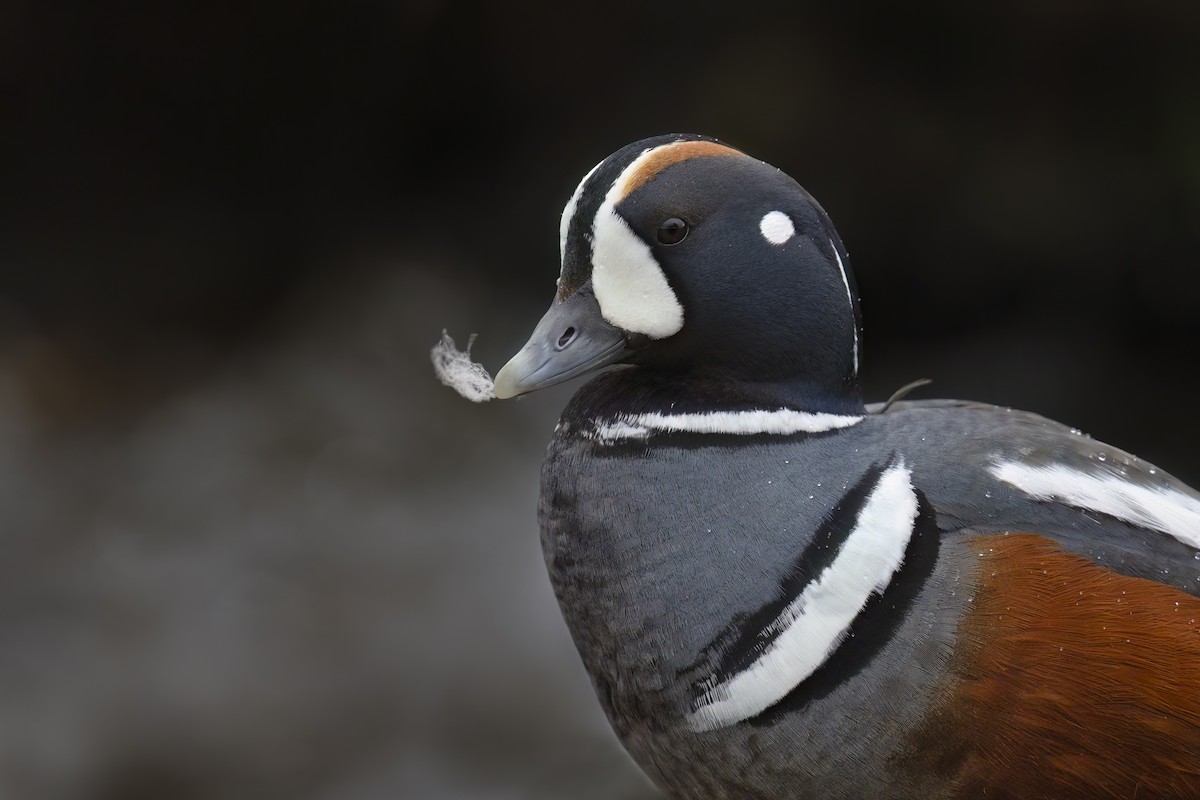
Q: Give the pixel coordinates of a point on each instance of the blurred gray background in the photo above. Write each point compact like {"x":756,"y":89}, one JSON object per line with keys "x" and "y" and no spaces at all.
{"x":252,"y":549}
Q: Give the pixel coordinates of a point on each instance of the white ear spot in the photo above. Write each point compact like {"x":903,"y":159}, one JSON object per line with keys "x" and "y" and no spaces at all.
{"x":777,"y":227}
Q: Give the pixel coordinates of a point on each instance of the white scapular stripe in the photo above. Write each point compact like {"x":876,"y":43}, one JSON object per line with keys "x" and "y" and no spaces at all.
{"x":564,"y":224}
{"x":776,"y":227}
{"x":1160,"y":508}
{"x":850,"y":297}
{"x":813,"y":625}
{"x":630,"y":286}
{"x":780,"y":421}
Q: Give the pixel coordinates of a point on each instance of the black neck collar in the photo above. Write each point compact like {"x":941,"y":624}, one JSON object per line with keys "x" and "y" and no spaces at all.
{"x":628,"y":391}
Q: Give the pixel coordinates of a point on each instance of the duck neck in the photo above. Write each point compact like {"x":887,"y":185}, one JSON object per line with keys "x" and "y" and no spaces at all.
{"x":634,"y":392}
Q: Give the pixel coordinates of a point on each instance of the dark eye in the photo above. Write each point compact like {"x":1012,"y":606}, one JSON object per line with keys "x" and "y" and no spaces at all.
{"x":673,"y":231}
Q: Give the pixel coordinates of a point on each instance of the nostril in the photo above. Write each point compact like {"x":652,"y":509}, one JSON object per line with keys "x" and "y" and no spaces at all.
{"x":567,"y":337}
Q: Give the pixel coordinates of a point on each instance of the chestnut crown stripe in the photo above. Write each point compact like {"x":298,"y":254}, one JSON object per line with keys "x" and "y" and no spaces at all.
{"x":648,"y":165}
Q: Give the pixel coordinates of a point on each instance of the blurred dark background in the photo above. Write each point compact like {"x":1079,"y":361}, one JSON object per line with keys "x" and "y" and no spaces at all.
{"x":253,"y":549}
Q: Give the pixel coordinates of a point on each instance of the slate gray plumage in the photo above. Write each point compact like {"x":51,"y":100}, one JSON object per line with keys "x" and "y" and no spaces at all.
{"x":686,"y":544}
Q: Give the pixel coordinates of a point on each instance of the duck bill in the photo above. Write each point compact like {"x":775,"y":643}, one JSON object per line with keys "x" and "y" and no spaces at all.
{"x":572,"y":339}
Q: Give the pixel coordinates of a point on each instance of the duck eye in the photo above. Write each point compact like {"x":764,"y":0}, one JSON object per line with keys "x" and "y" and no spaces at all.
{"x":672,"y":231}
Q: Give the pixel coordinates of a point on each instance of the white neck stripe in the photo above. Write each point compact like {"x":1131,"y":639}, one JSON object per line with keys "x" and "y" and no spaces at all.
{"x":781,"y":421}
{"x":1159,"y":508}
{"x":850,"y":297}
{"x":814,"y":624}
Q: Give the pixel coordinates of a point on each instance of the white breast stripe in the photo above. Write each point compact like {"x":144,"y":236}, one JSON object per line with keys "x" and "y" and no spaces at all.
{"x":781,"y":421}
{"x":850,"y":297}
{"x":630,"y":286}
{"x":813,"y":625}
{"x":1159,"y":508}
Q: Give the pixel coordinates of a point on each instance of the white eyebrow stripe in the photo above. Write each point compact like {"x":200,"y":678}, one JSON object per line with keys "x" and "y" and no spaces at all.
{"x":814,"y":624}
{"x":782,"y":421}
{"x":1159,"y":508}
{"x":850,"y":297}
{"x":564,"y":224}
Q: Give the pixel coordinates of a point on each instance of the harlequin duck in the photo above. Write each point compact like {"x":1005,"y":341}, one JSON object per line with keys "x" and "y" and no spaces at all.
{"x":780,"y":592}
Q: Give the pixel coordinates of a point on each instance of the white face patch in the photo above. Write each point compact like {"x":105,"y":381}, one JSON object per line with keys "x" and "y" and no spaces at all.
{"x":783,"y":421}
{"x":813,"y":624}
{"x":630,"y":286}
{"x":1159,"y":508}
{"x":777,"y":227}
